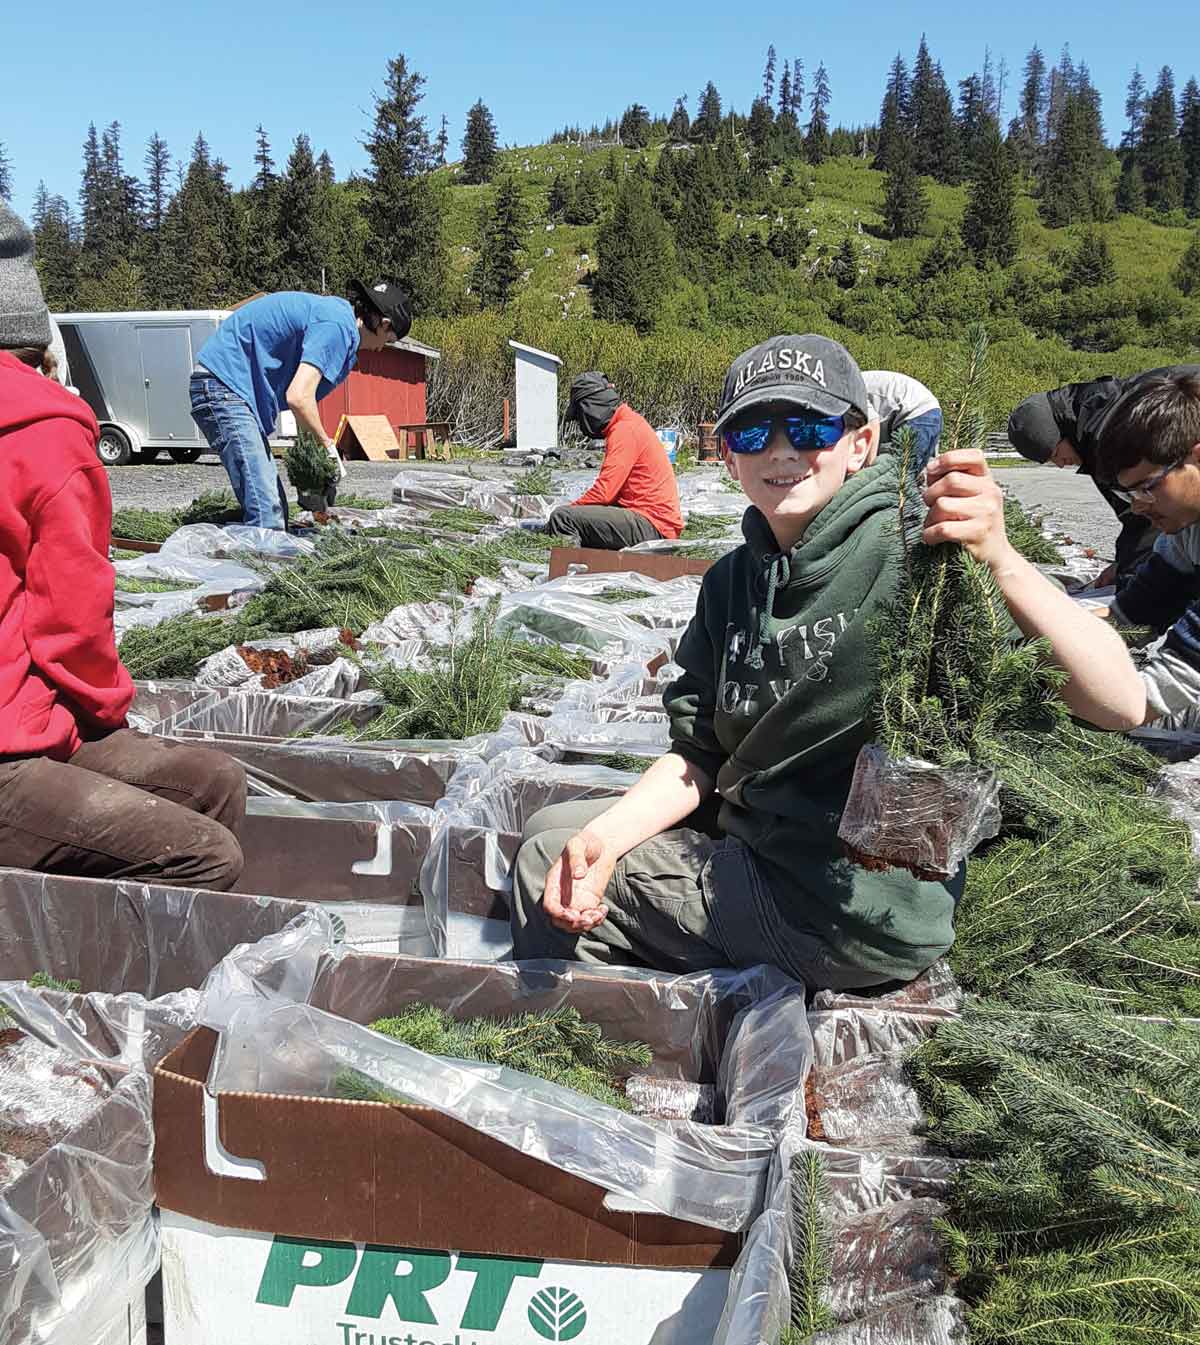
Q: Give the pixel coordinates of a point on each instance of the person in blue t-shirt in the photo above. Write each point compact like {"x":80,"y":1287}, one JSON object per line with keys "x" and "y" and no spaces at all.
{"x":283,"y":350}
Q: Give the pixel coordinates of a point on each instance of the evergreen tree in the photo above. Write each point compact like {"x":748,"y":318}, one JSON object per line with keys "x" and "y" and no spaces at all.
{"x":199,"y":236}
{"x":1135,"y":110}
{"x":403,"y":206}
{"x":785,"y":92}
{"x":798,"y":90}
{"x":972,"y":122}
{"x":1131,"y":188}
{"x":325,"y":168}
{"x":665,"y":187}
{"x":761,"y":124}
{"x":894,"y":122}
{"x":679,"y":127}
{"x":905,"y":200}
{"x":587,"y":200}
{"x":6,"y":180}
{"x":1073,"y":184}
{"x":479,"y":145}
{"x":989,"y":224}
{"x":1159,"y":151}
{"x":944,"y":257}
{"x":707,"y":125}
{"x":931,"y":119}
{"x":302,"y":222}
{"x":441,"y":143}
{"x":1187,"y":273}
{"x":768,"y":89}
{"x":157,"y":163}
{"x":1091,"y":264}
{"x":1032,"y":115}
{"x":1189,"y":143}
{"x":697,"y":236}
{"x":635,"y":126}
{"x":264,"y":165}
{"x":843,"y":270}
{"x":636,"y":263}
{"x":501,"y":228}
{"x":55,"y":251}
{"x":559,"y":196}
{"x":816,"y":141}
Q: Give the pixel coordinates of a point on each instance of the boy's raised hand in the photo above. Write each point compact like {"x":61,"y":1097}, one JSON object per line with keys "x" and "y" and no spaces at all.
{"x":575,"y":886}
{"x":965,"y":506}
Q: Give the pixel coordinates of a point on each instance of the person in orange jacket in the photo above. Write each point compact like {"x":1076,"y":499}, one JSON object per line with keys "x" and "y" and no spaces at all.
{"x":634,"y":499}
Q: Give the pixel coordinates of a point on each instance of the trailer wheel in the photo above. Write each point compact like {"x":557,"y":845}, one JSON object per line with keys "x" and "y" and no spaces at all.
{"x":113,"y":448}
{"x":185,"y":454}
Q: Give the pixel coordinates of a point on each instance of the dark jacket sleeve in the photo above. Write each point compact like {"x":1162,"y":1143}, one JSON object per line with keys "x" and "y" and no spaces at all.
{"x":1162,"y":588}
{"x":691,"y":700}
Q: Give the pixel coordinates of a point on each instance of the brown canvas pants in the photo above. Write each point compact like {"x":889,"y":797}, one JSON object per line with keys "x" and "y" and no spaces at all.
{"x":126,"y":806}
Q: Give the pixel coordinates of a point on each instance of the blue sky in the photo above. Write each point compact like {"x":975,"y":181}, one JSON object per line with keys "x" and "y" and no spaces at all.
{"x":223,"y":67}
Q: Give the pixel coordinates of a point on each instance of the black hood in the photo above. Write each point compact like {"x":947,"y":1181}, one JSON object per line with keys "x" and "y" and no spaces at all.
{"x":593,"y":403}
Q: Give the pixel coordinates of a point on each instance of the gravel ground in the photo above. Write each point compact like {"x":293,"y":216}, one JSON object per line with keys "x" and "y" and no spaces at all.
{"x":1071,"y":501}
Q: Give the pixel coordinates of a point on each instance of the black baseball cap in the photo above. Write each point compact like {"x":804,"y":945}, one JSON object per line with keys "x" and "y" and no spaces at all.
{"x":809,"y":371}
{"x":390,"y":302}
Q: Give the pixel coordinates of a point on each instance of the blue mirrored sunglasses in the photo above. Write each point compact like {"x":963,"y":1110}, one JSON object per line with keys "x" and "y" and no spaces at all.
{"x":805,"y":433}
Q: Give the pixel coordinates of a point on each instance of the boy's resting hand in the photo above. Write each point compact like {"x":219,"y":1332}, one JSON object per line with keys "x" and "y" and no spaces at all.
{"x":966,"y":506}
{"x":575,"y":885}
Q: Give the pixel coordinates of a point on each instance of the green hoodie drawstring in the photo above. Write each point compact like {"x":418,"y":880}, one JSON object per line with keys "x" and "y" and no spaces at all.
{"x":779,"y":572}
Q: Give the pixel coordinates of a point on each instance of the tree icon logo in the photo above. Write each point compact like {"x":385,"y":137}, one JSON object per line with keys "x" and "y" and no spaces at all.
{"x":557,"y":1314}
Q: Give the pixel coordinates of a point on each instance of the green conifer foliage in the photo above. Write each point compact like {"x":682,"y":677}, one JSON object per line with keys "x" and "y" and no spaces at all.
{"x":1187,"y":273}
{"x":905,"y":200}
{"x":310,"y":468}
{"x":479,"y":145}
{"x":989,"y":224}
{"x":636,"y":260}
{"x":500,"y":244}
{"x":811,"y":1235}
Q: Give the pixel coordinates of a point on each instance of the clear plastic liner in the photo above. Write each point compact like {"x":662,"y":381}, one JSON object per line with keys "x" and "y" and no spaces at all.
{"x":78,"y":1238}
{"x":271,"y":1041}
{"x":758,"y":1304}
{"x":447,"y":490}
{"x":268,"y":714}
{"x":886,"y":1256}
{"x":907,"y":1321}
{"x":910,"y":814}
{"x":935,"y":988}
{"x":581,"y":624}
{"x":861,"y":1180}
{"x":208,"y":576}
{"x":233,"y":540}
{"x":139,"y":613}
{"x":1178,"y":786}
{"x":842,"y":1035}
{"x":311,"y":648}
{"x":118,"y":937}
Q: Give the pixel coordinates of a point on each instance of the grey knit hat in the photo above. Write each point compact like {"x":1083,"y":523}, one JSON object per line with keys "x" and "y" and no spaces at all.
{"x":24,"y":318}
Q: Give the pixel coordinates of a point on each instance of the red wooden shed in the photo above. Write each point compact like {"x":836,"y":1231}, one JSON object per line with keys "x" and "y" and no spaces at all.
{"x":388,"y":382}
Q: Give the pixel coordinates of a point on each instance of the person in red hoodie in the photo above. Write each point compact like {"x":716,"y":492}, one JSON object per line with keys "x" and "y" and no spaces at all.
{"x":635,"y":498}
{"x":80,"y":792}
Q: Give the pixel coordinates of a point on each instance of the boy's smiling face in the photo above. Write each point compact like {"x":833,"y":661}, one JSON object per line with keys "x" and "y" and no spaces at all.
{"x":791,"y":486}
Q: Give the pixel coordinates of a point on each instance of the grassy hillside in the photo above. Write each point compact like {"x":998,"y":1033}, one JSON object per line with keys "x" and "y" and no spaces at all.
{"x":887,"y":319}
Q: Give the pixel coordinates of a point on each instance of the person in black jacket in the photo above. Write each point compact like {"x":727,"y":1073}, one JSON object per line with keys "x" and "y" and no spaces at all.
{"x":1063,"y":426}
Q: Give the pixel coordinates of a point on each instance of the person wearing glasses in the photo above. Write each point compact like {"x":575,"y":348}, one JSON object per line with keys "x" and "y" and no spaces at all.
{"x":1150,"y":447}
{"x":1063,"y":427}
{"x":635,"y":498}
{"x":774,"y":700}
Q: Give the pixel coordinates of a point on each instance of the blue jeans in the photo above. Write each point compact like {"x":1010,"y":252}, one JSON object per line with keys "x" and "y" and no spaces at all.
{"x":232,"y":431}
{"x":927,"y":430}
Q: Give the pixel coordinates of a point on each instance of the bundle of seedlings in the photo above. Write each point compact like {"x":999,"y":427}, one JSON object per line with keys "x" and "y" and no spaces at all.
{"x":1077,"y":1215}
{"x":703,"y":527}
{"x":536,"y":481}
{"x":461,"y":518}
{"x":156,"y":525}
{"x":558,"y":1045}
{"x":626,"y":761}
{"x":952,"y":679}
{"x":810,"y":1235}
{"x":313,"y":471}
{"x":1026,"y":534}
{"x":175,"y":648}
{"x":128,"y":583}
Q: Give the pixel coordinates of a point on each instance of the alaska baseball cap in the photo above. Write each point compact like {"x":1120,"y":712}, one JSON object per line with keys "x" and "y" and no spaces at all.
{"x":390,"y":302}
{"x":809,"y":371}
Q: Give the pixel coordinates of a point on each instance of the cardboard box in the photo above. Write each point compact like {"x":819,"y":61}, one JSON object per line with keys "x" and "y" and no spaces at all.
{"x":306,"y":1220}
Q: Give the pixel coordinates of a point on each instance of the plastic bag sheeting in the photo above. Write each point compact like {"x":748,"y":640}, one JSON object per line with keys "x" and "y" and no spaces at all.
{"x":581,"y":624}
{"x":272,"y":1041}
{"x":1178,"y":786}
{"x":78,"y":1237}
{"x":444,"y":490}
{"x":935,"y":988}
{"x":911,"y":814}
{"x":868,"y":1103}
{"x":209,"y":540}
{"x":267,"y":714}
{"x":123,"y":936}
{"x":208,"y":576}
{"x":758,"y":1304}
{"x":842,"y":1035}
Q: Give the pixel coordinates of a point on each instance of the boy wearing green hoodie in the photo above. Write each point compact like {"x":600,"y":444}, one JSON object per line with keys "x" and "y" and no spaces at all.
{"x":773,"y":704}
